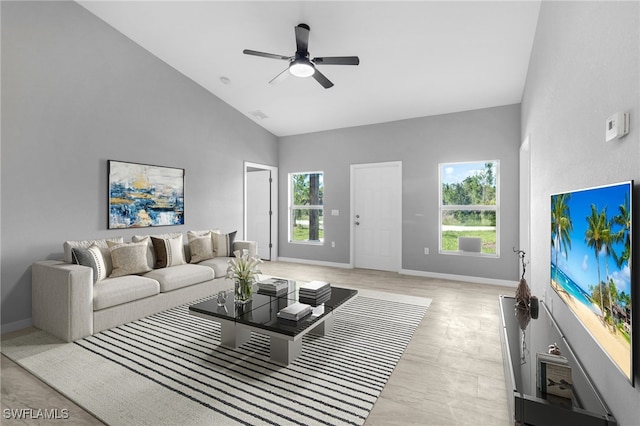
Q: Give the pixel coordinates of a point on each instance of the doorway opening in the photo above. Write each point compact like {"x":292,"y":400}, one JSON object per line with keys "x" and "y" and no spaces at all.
{"x":261,"y":208}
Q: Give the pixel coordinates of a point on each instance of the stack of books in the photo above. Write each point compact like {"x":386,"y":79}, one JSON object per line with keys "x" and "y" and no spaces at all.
{"x":273,"y":287}
{"x":294,"y":312}
{"x":315,"y":293}
{"x":554,"y":375}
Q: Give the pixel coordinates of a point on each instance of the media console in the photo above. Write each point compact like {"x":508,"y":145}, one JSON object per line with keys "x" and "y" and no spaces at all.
{"x":529,"y":406}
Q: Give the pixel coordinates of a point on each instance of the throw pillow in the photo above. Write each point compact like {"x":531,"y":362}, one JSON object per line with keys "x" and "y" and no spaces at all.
{"x":151,"y":255}
{"x":223,"y":243}
{"x":201,"y":246}
{"x":168,"y":251}
{"x":91,"y":257}
{"x":85,"y":244}
{"x":128,"y":258}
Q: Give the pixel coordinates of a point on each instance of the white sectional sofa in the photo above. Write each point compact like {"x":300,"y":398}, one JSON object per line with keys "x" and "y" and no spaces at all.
{"x":113,"y":285}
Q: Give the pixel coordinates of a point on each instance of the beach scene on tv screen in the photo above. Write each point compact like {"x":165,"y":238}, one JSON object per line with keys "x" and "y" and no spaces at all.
{"x":590,"y":264}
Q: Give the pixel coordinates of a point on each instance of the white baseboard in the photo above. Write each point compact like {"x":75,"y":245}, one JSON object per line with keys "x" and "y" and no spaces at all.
{"x":478,"y":280}
{"x":15,"y":326}
{"x":467,"y":278}
{"x":315,"y":262}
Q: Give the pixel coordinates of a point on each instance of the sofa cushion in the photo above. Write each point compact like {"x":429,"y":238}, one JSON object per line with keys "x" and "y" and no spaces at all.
{"x":151,"y":256}
{"x":218,"y":264}
{"x":223,"y":243}
{"x":116,"y":291}
{"x":168,"y":251}
{"x":200,"y":247}
{"x":128,"y":258}
{"x":85,"y":244}
{"x":180,"y":276}
{"x":93,"y":258}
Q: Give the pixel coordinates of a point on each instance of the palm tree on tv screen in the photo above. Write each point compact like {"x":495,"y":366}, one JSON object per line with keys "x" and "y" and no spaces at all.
{"x":561,"y":225}
{"x":623,"y":218}
{"x":595,"y":236}
{"x":609,"y":238}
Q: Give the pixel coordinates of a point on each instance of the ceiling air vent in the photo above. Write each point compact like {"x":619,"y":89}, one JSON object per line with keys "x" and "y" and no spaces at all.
{"x":259,"y":115}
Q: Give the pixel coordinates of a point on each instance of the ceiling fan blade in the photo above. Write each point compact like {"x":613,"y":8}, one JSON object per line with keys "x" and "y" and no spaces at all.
{"x":337,"y":60}
{"x":302,"y":38}
{"x":265,"y":55}
{"x":320,"y":78}
{"x":278,"y":78}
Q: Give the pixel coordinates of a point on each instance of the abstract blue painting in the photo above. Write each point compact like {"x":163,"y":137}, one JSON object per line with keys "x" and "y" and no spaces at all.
{"x":141,"y":195}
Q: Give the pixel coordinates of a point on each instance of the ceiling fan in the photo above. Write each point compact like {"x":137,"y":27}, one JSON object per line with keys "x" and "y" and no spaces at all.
{"x":300,"y":65}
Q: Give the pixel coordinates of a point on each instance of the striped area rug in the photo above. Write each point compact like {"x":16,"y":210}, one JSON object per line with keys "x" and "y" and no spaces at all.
{"x":172,"y":364}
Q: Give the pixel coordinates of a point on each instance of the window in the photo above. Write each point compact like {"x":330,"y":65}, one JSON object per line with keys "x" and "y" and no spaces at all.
{"x":470,"y":208}
{"x":306,"y":221}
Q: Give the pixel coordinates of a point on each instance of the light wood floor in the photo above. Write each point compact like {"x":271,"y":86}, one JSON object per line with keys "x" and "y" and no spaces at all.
{"x":450,"y":374}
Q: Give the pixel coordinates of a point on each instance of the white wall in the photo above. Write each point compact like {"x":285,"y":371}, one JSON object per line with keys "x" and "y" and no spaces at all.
{"x":421,"y":144}
{"x":76,"y":93}
{"x":584,"y":66}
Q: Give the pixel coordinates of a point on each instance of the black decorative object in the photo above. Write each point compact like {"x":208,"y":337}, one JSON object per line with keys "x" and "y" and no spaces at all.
{"x":526,"y":304}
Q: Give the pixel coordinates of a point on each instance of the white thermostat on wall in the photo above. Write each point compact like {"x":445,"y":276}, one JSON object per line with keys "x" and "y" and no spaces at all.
{"x":617,"y":126}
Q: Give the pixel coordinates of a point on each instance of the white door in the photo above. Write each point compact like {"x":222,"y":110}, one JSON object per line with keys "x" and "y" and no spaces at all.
{"x":376,"y":200}
{"x":258,"y":210}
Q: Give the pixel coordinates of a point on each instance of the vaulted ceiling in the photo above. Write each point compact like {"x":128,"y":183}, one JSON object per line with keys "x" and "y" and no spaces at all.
{"x":417,"y":58}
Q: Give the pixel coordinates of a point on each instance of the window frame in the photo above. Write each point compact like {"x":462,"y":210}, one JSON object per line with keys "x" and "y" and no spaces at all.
{"x":293,"y":207}
{"x":469,"y":207}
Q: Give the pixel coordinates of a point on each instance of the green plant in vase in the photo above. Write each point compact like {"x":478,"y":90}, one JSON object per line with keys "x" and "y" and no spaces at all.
{"x":243,"y":271}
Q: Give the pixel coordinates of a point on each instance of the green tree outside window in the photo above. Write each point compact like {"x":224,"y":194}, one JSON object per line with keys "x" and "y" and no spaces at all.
{"x":469,"y":205}
{"x":307,"y":213}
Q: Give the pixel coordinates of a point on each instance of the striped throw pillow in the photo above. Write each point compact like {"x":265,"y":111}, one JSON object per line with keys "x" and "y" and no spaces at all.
{"x":168,"y":251}
{"x":223,"y":243}
{"x":93,"y":258}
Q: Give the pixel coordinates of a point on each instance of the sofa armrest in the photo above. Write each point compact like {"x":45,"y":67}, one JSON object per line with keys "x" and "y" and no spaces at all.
{"x":251,"y":246}
{"x":62,"y":299}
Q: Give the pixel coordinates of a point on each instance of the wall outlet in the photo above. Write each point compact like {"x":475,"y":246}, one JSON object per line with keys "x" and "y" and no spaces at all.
{"x":426,"y":250}
{"x":333,"y":243}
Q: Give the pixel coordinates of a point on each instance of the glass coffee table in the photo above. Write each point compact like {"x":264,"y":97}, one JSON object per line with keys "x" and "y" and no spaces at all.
{"x":260,"y":315}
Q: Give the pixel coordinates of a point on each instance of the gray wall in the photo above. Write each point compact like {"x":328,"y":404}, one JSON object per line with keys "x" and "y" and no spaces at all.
{"x":421,"y":144}
{"x":584,"y":67}
{"x":76,"y":93}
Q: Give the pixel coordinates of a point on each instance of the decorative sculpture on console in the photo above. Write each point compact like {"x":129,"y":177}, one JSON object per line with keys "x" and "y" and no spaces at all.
{"x":526,"y":304}
{"x":554,"y":349}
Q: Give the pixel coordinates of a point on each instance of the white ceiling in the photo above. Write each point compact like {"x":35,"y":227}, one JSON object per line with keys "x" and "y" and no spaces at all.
{"x":417,"y":58}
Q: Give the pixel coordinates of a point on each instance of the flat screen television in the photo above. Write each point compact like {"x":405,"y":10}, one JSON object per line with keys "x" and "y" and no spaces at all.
{"x":591,"y":264}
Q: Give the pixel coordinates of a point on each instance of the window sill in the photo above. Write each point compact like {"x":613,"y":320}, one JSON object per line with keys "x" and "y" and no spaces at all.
{"x":470,"y":254}
{"x":309,"y":243}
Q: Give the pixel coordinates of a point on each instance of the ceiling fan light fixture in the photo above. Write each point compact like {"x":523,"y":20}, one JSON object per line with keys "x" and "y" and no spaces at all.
{"x":301,"y":68}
